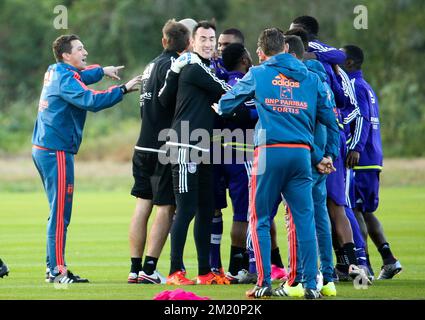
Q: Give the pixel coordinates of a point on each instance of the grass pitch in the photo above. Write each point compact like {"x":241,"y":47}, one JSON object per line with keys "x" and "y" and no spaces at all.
{"x":97,"y":248}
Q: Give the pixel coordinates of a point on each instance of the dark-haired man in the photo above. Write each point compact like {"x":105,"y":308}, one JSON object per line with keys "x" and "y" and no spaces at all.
{"x":368,"y":163}
{"x":153,"y":184}
{"x":197,"y":88}
{"x":235,"y":174}
{"x":286,"y":96}
{"x":226,"y":38}
{"x":229,"y":36}
{"x":57,"y":136}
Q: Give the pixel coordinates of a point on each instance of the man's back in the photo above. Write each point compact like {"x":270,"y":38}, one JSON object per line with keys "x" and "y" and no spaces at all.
{"x":155,"y":117}
{"x":286,"y":95}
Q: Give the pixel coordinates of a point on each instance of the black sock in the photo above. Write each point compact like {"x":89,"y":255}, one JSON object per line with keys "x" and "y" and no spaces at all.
{"x":350,"y":253}
{"x":236,"y":259}
{"x":136,"y":265}
{"x":386,"y":254}
{"x":276,"y":258}
{"x":339,"y":253}
{"x":150,"y":265}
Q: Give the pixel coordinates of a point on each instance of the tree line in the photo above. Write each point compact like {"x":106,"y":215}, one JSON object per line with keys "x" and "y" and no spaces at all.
{"x":128,"y":32}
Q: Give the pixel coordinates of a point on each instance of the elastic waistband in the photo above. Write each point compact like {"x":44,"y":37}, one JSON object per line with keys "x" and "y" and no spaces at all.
{"x":40,"y":148}
{"x":287,"y":145}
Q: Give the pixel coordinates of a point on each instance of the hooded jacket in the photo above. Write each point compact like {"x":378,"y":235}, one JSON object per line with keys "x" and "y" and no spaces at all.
{"x":288,"y":99}
{"x":64,"y":103}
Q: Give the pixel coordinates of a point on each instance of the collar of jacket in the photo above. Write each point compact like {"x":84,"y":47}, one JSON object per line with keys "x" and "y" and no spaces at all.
{"x":204,"y":61}
{"x":68,"y":66}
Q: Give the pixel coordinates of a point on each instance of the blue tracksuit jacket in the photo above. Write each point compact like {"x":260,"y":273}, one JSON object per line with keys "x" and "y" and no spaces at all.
{"x":368,"y":141}
{"x":292,"y":108}
{"x":64,"y":103}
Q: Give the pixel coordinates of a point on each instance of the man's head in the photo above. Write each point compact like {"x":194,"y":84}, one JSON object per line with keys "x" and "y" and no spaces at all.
{"x":295,"y":46}
{"x":307,"y":23}
{"x":229,"y":36}
{"x":69,"y":49}
{"x":204,"y":39}
{"x":300,"y":33}
{"x":271,"y":42}
{"x":355,"y":58}
{"x":236,"y":58}
{"x":175,"y":36}
{"x":190,"y":24}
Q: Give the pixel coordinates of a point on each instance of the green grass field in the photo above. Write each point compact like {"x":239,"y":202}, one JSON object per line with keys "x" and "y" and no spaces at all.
{"x":98,"y":249}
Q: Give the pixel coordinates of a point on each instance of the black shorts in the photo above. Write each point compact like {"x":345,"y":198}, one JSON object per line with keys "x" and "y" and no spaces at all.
{"x":152,"y":180}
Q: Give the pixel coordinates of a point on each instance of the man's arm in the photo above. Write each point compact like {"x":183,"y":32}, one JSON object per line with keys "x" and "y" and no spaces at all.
{"x":167,"y":94}
{"x":244,"y":90}
{"x":95,"y":73}
{"x":325,"y":53}
{"x":75,"y":92}
{"x":92,"y":74}
{"x":326,"y":116}
{"x":202,"y":77}
{"x":361,"y":129}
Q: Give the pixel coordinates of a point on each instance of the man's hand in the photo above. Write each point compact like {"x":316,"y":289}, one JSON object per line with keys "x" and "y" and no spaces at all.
{"x":335,"y":68}
{"x":325,"y":166}
{"x":185,"y":59}
{"x":132,"y":85}
{"x":112,"y":72}
{"x":353,"y":158}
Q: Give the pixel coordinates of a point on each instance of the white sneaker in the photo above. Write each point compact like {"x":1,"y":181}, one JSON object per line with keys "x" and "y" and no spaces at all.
{"x":154,"y":278}
{"x":132,"y":277}
{"x":243,"y":277}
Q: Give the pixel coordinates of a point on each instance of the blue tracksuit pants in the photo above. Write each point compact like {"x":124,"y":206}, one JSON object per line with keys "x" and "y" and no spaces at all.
{"x":323,"y":231}
{"x":56,"y":169}
{"x":286,"y":169}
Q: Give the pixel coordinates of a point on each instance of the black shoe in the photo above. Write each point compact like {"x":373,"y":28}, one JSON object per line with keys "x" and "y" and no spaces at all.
{"x":4,"y":269}
{"x":67,"y":277}
{"x":312,"y":294}
{"x":388,"y":271}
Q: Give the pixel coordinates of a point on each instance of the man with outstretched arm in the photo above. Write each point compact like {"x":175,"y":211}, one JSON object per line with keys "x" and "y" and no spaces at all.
{"x":64,"y":102}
